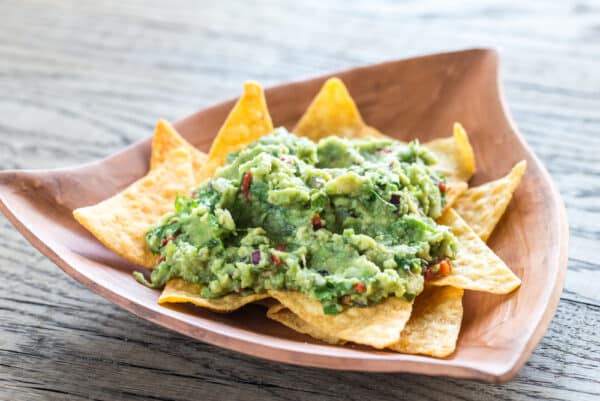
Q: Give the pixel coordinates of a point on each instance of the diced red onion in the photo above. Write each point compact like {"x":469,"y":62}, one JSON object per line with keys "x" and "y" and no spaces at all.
{"x":256,"y":257}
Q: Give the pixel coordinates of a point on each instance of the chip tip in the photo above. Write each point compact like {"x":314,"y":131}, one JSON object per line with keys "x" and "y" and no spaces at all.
{"x":163,"y":126}
{"x":252,"y":88}
{"x":336,"y":86}
{"x":334,"y":81}
{"x":510,"y":287}
{"x":78,"y":214}
{"x":519,"y":168}
{"x":465,"y":147}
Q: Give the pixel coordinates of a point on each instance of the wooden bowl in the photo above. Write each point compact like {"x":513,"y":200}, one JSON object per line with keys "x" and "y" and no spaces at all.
{"x":415,"y":98}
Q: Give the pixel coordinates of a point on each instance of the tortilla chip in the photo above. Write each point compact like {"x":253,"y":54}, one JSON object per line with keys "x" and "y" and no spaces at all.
{"x":483,"y":206}
{"x":434,"y":324}
{"x":283,"y":315}
{"x":333,"y":112}
{"x":121,"y":222}
{"x":476,"y":266}
{"x":378,"y":325}
{"x":454,"y":192}
{"x":455,"y":156}
{"x":248,"y":121}
{"x":179,"y":291}
{"x":432,"y":329}
{"x":165,"y":140}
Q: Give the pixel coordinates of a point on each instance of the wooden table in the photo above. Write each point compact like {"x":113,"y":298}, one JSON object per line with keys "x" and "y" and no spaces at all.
{"x":80,"y":81}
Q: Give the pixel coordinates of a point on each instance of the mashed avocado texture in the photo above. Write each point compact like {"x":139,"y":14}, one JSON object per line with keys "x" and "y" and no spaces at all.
{"x":347,"y":222}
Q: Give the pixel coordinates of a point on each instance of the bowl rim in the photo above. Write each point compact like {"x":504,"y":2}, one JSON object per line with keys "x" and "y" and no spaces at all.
{"x":175,"y":321}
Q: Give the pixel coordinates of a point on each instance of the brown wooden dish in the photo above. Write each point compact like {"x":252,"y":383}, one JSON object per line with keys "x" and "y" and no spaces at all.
{"x":419,"y":97}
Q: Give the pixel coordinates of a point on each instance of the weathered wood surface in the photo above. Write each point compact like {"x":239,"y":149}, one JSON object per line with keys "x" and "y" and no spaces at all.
{"x":79,"y":81}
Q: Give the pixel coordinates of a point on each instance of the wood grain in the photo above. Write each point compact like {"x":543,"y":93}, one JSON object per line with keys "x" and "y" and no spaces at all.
{"x":80,"y":81}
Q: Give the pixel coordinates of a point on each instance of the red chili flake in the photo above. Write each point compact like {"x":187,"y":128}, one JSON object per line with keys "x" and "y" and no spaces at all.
{"x":160,"y":260}
{"x":165,"y":241}
{"x":360,"y":287}
{"x":285,"y":159}
{"x":275,"y":259}
{"x":384,"y":150}
{"x":281,"y":247}
{"x":316,"y":221}
{"x":246,"y":185}
{"x":442,"y":186}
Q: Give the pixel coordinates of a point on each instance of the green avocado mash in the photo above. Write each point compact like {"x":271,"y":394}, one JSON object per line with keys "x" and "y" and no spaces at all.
{"x":347,"y":222}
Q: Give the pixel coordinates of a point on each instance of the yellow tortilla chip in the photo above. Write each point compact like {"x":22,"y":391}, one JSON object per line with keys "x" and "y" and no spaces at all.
{"x":283,"y":315}
{"x":333,"y":112}
{"x":455,"y":156}
{"x":165,"y":140}
{"x":121,"y":222}
{"x":483,"y":206}
{"x":454,"y":192}
{"x":248,"y":121}
{"x":434,"y":324}
{"x":378,"y":325}
{"x":432,"y":329}
{"x":476,"y":266}
{"x":179,"y":291}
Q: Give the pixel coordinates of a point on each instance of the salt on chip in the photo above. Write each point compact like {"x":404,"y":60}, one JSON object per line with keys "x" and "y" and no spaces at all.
{"x":121,"y":222}
{"x":434,"y":324}
{"x":476,"y":267}
{"x":180,"y":291}
{"x":483,"y":206}
{"x":377,"y":325}
{"x":283,"y":315}
{"x":333,"y":112}
{"x":165,"y":140}
{"x":248,"y":121}
{"x":455,"y":156}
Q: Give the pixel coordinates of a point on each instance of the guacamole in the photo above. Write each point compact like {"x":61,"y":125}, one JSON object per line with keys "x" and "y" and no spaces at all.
{"x":346,"y":222}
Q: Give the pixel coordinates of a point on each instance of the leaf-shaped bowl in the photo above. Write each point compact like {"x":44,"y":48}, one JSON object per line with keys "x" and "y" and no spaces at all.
{"x":419,"y":97}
